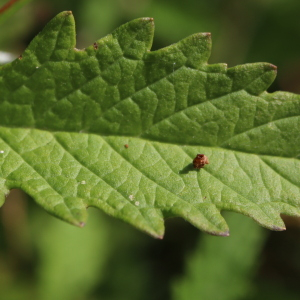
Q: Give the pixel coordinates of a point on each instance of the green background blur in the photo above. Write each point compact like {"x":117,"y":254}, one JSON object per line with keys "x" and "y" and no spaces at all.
{"x":43,"y":258}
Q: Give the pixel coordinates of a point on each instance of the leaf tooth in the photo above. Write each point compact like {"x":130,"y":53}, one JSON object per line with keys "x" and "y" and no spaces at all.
{"x":196,"y":49}
{"x":73,"y":216}
{"x":267,"y":215}
{"x":220,"y":233}
{"x":255,"y":78}
{"x":77,"y":208}
{"x":155,"y":219}
{"x":204,"y":216}
{"x":149,"y":220}
{"x":81,"y":224}
{"x":135,"y":37}
{"x":55,"y":40}
{"x":276,"y":228}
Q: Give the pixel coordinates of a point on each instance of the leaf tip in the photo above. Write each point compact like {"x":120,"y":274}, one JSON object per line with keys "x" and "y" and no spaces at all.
{"x":219,"y":233}
{"x":202,"y":36}
{"x":81,"y":224}
{"x":67,"y":13}
{"x":207,"y":34}
{"x":149,"y":20}
{"x":278,"y":228}
{"x":157,"y":235}
{"x":224,"y":233}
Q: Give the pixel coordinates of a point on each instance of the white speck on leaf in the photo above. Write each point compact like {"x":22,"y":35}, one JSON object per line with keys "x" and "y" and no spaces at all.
{"x":137,"y":203}
{"x":131,"y":197}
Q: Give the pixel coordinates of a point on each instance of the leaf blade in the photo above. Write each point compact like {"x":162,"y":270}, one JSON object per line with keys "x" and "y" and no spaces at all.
{"x":76,"y":109}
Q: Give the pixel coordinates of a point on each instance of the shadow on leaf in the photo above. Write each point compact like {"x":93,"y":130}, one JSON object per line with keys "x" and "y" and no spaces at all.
{"x":188,"y":168}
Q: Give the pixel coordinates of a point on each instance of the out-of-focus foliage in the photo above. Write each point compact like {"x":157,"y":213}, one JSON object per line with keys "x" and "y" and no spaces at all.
{"x":14,"y":26}
{"x":74,"y":264}
{"x":223,"y":269}
{"x":207,"y":269}
{"x":9,"y":8}
{"x":132,"y":265}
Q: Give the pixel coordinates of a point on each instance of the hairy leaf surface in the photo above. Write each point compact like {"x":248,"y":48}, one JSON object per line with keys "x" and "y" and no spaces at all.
{"x":116,"y":126}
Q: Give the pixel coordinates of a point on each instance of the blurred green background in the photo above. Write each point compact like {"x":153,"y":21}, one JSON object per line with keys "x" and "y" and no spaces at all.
{"x":43,"y":258}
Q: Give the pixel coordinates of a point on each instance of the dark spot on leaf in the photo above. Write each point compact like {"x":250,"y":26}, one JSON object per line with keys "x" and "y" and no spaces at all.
{"x":95,"y":46}
{"x":20,"y":57}
{"x":126,"y":146}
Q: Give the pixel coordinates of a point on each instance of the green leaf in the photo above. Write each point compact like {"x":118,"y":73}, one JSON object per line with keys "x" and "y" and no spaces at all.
{"x":66,"y":115}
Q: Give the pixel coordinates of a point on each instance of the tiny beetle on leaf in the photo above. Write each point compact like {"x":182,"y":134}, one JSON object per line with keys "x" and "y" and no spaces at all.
{"x":200,"y":161}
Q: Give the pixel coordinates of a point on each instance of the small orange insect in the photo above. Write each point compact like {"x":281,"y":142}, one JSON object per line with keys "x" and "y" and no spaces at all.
{"x":200,"y":161}
{"x":126,"y":146}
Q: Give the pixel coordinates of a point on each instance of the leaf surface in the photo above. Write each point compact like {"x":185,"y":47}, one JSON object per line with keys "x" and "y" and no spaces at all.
{"x":117,"y":126}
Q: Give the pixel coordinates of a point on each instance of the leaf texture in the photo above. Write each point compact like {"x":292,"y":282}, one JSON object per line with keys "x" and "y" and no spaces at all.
{"x":116,"y":126}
